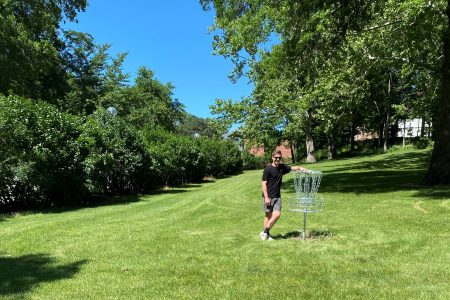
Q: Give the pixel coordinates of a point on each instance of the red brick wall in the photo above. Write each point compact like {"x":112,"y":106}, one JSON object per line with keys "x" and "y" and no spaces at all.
{"x":285,"y":151}
{"x":259,"y":151}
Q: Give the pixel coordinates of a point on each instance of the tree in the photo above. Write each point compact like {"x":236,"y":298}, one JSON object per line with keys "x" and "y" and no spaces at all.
{"x":30,"y":43}
{"x":439,"y":168}
{"x":389,"y":51}
{"x":148,"y":103}
{"x":308,"y":34}
{"x":191,"y":125}
{"x":86,"y":65}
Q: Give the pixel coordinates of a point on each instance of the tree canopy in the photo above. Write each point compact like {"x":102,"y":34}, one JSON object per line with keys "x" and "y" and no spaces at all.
{"x":324,"y":70}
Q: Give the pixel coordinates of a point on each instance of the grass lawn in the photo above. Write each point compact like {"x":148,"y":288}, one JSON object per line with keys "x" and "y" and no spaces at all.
{"x":380,"y":236}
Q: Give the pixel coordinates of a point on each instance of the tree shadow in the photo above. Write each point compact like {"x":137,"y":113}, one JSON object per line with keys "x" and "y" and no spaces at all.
{"x":366,"y":182}
{"x":286,"y":236}
{"x":403,"y":171}
{"x":223,"y":176}
{"x":97,"y":201}
{"x":22,"y":274}
{"x":378,"y":174}
{"x":107,"y":200}
{"x":400,"y":161}
{"x":435,"y":193}
{"x":4,"y":216}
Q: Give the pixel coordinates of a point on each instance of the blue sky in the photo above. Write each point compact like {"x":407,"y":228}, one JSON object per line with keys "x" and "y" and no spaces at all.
{"x":171,"y":38}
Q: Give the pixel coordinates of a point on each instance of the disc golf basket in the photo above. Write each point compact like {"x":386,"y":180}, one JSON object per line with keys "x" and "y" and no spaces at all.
{"x":306,"y":200}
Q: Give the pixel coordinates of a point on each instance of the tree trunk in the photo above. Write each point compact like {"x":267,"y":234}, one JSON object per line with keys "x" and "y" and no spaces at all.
{"x":331,"y":148}
{"x":439,"y":168}
{"x":292,"y":151}
{"x":310,"y":156}
{"x":404,"y":133}
{"x":388,"y":115}
{"x":380,"y":133}
{"x":352,"y":137}
{"x":422,"y":127}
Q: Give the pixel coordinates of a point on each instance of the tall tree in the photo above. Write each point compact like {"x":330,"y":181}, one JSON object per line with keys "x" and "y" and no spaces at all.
{"x":307,"y":33}
{"x":148,"y":103}
{"x":395,"y":44}
{"x":191,"y":125}
{"x":30,"y":43}
{"x":87,"y":68}
{"x":439,"y":168}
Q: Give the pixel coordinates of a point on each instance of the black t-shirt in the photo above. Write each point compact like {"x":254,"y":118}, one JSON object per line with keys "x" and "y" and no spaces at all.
{"x":274,"y":176}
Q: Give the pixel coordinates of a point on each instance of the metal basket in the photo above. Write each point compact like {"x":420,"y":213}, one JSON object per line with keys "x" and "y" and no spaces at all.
{"x":306,"y":200}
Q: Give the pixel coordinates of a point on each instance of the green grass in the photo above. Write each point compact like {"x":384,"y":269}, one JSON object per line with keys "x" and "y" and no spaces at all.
{"x":381,"y":235}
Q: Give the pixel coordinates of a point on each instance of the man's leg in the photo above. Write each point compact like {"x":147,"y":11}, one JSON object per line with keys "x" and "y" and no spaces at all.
{"x":275,"y":215}
{"x":265,"y":233}
{"x":267,"y":219}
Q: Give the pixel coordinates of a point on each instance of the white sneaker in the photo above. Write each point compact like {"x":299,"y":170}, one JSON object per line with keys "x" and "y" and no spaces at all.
{"x":264,"y":236}
{"x":269,"y":238}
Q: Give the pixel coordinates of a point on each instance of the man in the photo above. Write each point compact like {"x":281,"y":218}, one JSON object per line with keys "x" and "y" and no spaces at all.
{"x":271,"y":184}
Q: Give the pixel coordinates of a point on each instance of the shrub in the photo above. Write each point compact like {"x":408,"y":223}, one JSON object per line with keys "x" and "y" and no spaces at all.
{"x":115,"y":161}
{"x":50,"y":158}
{"x":175,"y":158}
{"x":213,"y":158}
{"x":223,"y":157}
{"x":40,"y":161}
{"x":252,"y":162}
{"x":232,"y":157}
{"x":180,"y":159}
{"x":422,"y":142}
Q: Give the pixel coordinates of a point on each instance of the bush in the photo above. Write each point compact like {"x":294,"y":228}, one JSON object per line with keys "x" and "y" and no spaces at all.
{"x":213,"y":157}
{"x":115,"y":161}
{"x":223,"y":157}
{"x":40,"y":161}
{"x":50,"y":158}
{"x":181,"y":159}
{"x":400,"y":148}
{"x":252,"y":162}
{"x":175,"y":159}
{"x":422,"y":142}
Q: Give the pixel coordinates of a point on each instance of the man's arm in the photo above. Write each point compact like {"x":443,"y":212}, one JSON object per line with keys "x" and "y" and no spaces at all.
{"x":299,"y":168}
{"x":264,"y":189}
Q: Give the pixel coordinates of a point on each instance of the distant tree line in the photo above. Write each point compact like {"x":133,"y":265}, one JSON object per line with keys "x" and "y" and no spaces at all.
{"x":58,"y":143}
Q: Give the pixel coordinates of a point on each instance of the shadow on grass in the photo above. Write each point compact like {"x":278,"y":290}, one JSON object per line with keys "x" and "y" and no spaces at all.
{"x":4,"y":216}
{"x":105,"y":200}
{"x":435,"y":193}
{"x":367,"y":182}
{"x":21,"y":274}
{"x":297,"y":235}
{"x":399,"y":161}
{"x":399,"y":172}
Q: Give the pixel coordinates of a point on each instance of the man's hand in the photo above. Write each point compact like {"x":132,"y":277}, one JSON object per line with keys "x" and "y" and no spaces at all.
{"x":299,"y":168}
{"x":267,"y":200}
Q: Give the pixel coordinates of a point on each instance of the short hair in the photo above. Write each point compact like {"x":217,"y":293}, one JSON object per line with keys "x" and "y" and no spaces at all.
{"x":276,"y":151}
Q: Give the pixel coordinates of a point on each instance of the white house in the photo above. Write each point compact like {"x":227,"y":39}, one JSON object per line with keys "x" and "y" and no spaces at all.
{"x":412,"y":128}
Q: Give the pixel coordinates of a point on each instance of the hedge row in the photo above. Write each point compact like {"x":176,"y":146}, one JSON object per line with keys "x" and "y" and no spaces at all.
{"x":50,"y":158}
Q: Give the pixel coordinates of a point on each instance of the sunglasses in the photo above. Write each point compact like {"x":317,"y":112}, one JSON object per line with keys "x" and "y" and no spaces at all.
{"x":277,"y":157}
